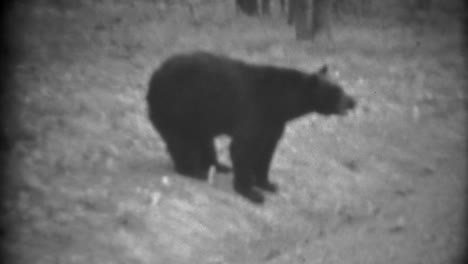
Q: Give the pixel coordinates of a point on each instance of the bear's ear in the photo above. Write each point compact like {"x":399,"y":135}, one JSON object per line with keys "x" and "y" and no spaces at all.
{"x":323,"y":70}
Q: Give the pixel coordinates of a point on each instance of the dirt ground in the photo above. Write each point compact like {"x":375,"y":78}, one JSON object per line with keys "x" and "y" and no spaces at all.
{"x":91,"y":181}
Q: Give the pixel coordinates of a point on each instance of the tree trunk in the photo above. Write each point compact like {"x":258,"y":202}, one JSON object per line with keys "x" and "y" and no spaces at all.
{"x":266,"y":7}
{"x":283,"y":6}
{"x":423,"y":4}
{"x":301,"y":17}
{"x":322,"y":17}
{"x":291,"y":11}
{"x":249,"y":7}
{"x":310,"y":17}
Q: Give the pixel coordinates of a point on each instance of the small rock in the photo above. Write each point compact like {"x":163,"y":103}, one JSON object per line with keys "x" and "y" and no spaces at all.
{"x":131,"y":222}
{"x":426,"y":171}
{"x":351,"y":165}
{"x":272,"y":254}
{"x":155,"y":198}
{"x":404,"y":192}
{"x":166,"y":181}
{"x":99,"y":27}
{"x":399,"y":226}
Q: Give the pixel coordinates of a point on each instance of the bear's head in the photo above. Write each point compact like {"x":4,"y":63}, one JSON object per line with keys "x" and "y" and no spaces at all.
{"x":328,"y":97}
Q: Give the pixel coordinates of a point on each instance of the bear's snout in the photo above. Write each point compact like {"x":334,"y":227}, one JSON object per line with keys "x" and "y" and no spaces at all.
{"x":348,"y":103}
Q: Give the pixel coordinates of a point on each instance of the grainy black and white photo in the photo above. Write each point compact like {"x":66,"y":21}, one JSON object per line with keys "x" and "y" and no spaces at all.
{"x":234,"y":131}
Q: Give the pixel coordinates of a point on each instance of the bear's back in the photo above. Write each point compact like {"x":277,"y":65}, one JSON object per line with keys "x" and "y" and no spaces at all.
{"x":200,"y":90}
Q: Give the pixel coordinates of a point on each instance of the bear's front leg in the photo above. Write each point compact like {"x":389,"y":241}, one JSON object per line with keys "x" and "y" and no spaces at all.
{"x":242,"y":155}
{"x":264,"y":156}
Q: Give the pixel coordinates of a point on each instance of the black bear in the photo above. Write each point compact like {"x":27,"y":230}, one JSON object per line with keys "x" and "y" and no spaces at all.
{"x":195,"y":97}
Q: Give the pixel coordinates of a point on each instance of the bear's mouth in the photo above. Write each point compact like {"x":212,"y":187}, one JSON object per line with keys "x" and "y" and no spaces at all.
{"x":346,"y":105}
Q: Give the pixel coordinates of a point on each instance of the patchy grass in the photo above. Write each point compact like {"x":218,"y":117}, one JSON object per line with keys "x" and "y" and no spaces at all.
{"x":92,"y":182}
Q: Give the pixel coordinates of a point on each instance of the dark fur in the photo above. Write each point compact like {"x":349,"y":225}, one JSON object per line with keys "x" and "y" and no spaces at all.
{"x":194,"y":97}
